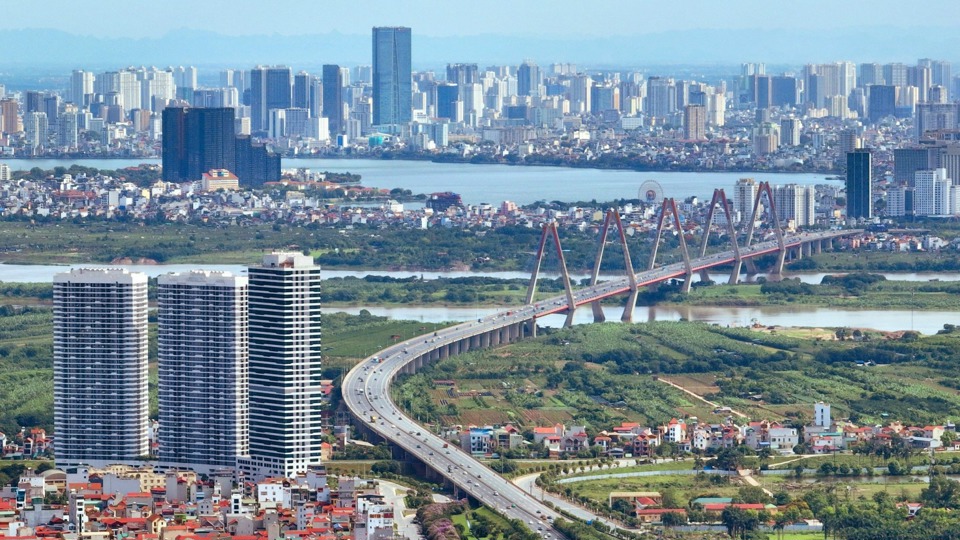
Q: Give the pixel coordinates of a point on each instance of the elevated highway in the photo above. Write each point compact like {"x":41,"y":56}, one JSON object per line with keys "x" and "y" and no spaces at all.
{"x":366,"y":388}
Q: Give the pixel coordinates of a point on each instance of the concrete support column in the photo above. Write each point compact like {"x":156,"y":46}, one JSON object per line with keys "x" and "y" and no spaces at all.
{"x":532,"y":327}
{"x":817,"y":246}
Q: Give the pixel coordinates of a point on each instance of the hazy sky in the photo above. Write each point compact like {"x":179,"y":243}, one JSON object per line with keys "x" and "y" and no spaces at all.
{"x":545,"y":18}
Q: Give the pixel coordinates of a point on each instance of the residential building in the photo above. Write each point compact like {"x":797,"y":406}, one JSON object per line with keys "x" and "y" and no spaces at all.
{"x":202,"y":360}
{"x":196,"y":140}
{"x":285,"y":365}
{"x":695,"y":123}
{"x":100,"y":366}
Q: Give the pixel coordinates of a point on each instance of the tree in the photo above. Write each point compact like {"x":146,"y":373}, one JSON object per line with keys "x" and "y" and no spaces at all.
{"x":674,"y":519}
{"x":941,"y":493}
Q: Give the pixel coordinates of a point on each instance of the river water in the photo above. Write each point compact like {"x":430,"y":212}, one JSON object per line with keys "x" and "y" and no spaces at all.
{"x":496,"y":183}
{"x":927,"y":322}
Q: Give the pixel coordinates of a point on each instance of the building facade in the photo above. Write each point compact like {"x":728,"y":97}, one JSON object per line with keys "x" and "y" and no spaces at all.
{"x":285,"y":365}
{"x":202,"y":359}
{"x":859,"y":184}
{"x":392,"y":76}
{"x":100,"y":367}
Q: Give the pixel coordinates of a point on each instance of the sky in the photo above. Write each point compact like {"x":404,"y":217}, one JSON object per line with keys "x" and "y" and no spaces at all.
{"x":541,"y":18}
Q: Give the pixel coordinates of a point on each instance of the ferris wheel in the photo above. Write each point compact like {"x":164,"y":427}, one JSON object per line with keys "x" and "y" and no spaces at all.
{"x":650,"y":192}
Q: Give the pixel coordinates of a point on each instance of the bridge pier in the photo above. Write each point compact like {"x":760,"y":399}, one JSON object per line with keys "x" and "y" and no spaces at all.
{"x":598,"y":315}
{"x":631,"y":304}
{"x":807,"y":248}
{"x":818,"y":247}
{"x":781,"y":257}
{"x":532,"y":327}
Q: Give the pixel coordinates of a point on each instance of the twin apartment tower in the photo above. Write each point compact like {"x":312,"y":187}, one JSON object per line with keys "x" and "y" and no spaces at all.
{"x":239,"y":368}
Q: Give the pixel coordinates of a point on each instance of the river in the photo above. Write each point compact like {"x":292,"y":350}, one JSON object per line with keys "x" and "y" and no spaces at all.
{"x":496,"y":183}
{"x":927,"y":322}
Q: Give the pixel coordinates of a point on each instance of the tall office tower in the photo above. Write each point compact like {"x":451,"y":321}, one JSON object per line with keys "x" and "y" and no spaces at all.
{"x":528,"y":79}
{"x":81,"y":86}
{"x":202,"y":358}
{"x":859,"y":184}
{"x":285,"y":362}
{"x":942,"y":75}
{"x":333,"y":98}
{"x":661,"y":97}
{"x":762,"y":91}
{"x":797,"y":203}
{"x":270,"y":88}
{"x":392,"y":76}
{"x":35,"y":130}
{"x":301,"y":90}
{"x":848,"y":140}
{"x":744,"y":192}
{"x":196,"y":141}
{"x":449,"y":105}
{"x":34,"y":102}
{"x":315,"y":97}
{"x":935,"y":116}
{"x":683,"y":93}
{"x":847,"y":75}
{"x":871,"y":74}
{"x":100,"y":410}
{"x":9,"y":117}
{"x":695,"y":123}
{"x":784,"y":91}
{"x":906,"y":162}
{"x":882,"y":102}
{"x":895,"y":74}
{"x":363,"y":74}
{"x":462,"y":74}
{"x":790,"y":131}
{"x":933,"y":193}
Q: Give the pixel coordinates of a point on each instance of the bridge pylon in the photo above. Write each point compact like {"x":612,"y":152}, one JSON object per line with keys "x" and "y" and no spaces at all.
{"x":613,"y":217}
{"x":719,"y":197}
{"x":671,"y":205}
{"x":550,"y":229}
{"x":764,"y":188}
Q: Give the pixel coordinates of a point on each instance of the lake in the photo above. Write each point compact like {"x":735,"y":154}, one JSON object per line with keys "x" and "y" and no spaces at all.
{"x":496,"y":183}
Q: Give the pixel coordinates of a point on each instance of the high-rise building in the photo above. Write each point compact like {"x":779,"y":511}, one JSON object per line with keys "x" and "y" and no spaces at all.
{"x":81,"y":86}
{"x":871,"y":74}
{"x":796,"y":203}
{"x":694,"y":123}
{"x":35,"y":130}
{"x":9,"y":117}
{"x":462,"y":74}
{"x":744,"y":192}
{"x":883,"y":102}
{"x":301,"y":90}
{"x":270,"y":88}
{"x":333,"y":98}
{"x":256,"y":163}
{"x":203,"y":374}
{"x":906,"y":162}
{"x":285,"y":365}
{"x":392,"y":77}
{"x":661,"y":97}
{"x":784,"y":91}
{"x":68,"y":130}
{"x":449,"y":105}
{"x":528,"y":79}
{"x":790,"y":131}
{"x":196,"y":141}
{"x":933,"y":193}
{"x":859,"y":184}
{"x":100,"y":367}
{"x":935,"y":116}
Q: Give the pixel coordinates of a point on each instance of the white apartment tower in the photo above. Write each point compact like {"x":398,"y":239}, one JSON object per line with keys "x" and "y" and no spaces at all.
{"x":202,"y":358}
{"x":285,"y":374}
{"x":796,"y":203}
{"x":100,"y":367}
{"x":744,"y":192}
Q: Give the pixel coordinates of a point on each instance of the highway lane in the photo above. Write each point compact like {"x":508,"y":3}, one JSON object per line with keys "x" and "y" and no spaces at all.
{"x":366,"y":388}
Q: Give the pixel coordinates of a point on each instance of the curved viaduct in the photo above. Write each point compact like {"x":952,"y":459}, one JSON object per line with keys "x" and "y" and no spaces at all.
{"x":366,"y":388}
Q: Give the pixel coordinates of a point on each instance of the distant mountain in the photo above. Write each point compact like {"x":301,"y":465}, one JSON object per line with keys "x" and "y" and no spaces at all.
{"x":54,"y":48}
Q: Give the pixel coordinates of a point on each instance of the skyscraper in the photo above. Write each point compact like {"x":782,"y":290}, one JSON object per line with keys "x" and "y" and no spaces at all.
{"x":196,"y":140}
{"x":463,"y":74}
{"x":202,"y":358}
{"x":528,"y":79}
{"x":301,"y":90}
{"x":333,"y":98}
{"x":285,"y":362}
{"x":695,"y":123}
{"x":270,"y":88}
{"x":392,"y":76}
{"x":100,"y":366}
{"x":883,"y":102}
{"x":859,"y":184}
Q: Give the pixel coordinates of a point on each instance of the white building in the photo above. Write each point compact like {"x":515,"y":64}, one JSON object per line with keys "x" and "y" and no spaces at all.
{"x":285,"y":374}
{"x":744,"y":192}
{"x":797,"y":203}
{"x":933,"y":193}
{"x":100,"y":366}
{"x":821,"y":415}
{"x":202,"y":358}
